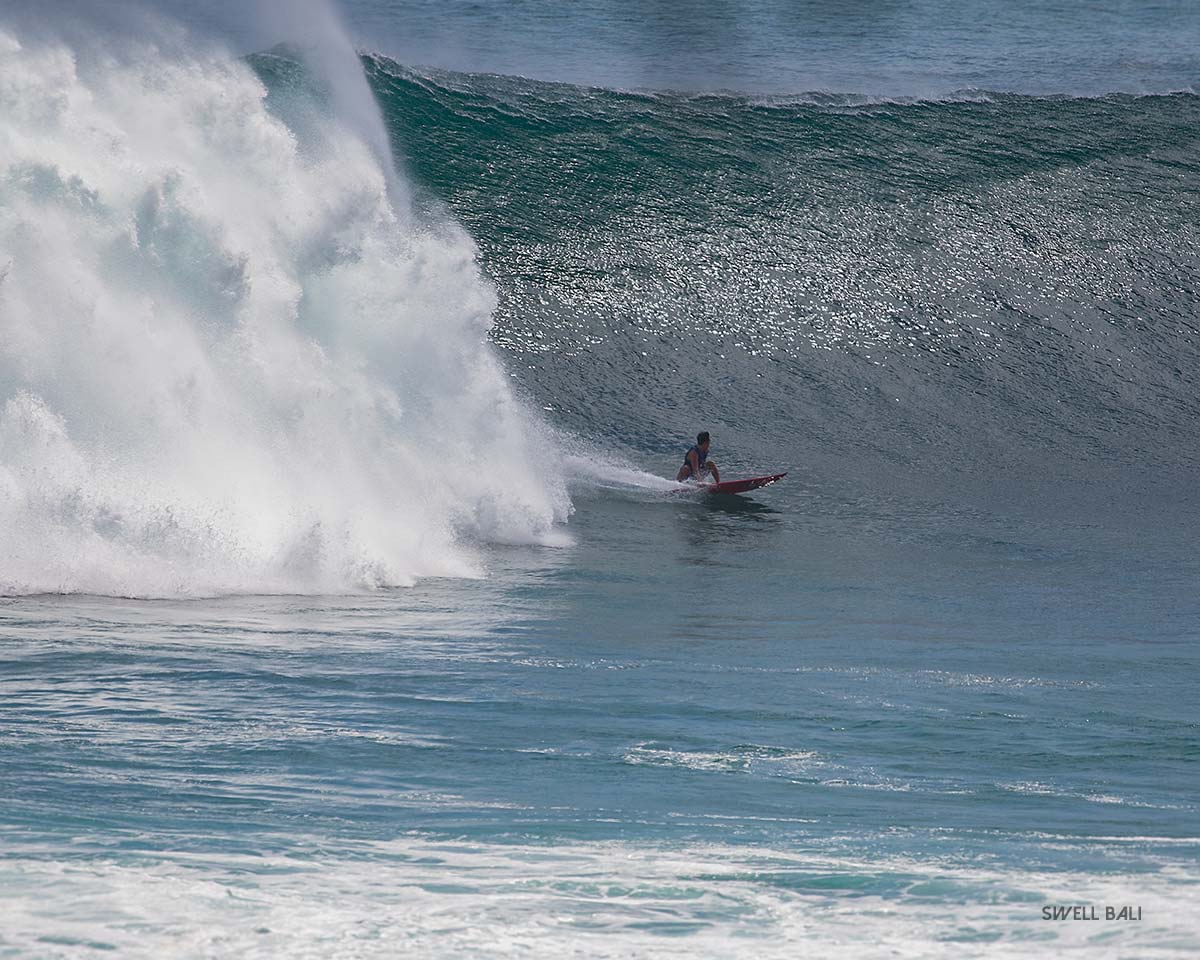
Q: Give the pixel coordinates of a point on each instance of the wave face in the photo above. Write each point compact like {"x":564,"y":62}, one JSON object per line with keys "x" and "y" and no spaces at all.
{"x":235,"y":360}
{"x":984,"y":281}
{"x":229,"y":362}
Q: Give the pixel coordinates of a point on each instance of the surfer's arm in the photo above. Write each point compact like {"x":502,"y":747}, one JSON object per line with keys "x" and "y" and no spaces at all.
{"x":712,"y":468}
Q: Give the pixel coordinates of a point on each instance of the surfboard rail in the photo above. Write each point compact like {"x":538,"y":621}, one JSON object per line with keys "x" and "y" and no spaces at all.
{"x":741,"y":486}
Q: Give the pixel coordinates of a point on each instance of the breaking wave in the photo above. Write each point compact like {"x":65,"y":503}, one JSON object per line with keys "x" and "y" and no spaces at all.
{"x":232,"y":359}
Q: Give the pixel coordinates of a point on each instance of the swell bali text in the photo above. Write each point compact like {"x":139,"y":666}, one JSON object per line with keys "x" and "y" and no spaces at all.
{"x":1082,"y":911}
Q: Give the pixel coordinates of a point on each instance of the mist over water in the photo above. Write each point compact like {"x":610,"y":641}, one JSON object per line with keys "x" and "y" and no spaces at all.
{"x":313,"y":31}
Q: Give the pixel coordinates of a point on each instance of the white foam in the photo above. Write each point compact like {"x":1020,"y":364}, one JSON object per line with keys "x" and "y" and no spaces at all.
{"x":586,"y":471}
{"x":417,"y":896}
{"x":231,"y":363}
{"x":740,"y":759}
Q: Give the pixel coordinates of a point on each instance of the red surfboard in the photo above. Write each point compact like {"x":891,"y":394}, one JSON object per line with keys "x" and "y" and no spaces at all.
{"x":741,"y":486}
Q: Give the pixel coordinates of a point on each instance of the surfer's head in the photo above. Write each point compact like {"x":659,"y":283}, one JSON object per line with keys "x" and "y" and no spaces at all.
{"x":702,"y":440}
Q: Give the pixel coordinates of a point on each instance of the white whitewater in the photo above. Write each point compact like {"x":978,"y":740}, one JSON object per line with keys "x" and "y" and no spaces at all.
{"x":230,"y":360}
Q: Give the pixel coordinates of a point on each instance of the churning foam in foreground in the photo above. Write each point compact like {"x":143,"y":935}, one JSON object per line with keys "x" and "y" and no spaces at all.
{"x":420,"y":897}
{"x":227,"y":361}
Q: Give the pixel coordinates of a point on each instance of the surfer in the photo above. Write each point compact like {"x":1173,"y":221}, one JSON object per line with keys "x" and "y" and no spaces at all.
{"x":696,"y":462}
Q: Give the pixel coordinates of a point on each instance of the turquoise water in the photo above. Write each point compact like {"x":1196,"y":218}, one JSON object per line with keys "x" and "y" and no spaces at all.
{"x":344,"y":611}
{"x":707,"y":727}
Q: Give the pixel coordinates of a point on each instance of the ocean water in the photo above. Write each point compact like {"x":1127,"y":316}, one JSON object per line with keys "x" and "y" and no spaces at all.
{"x":345,"y":610}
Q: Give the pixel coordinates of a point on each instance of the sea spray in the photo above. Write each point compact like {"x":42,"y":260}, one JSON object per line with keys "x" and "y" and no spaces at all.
{"x":312,"y":30}
{"x":229,"y":363}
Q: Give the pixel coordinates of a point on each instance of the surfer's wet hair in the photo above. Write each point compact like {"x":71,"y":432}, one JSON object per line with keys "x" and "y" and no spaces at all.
{"x":702,"y":438}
